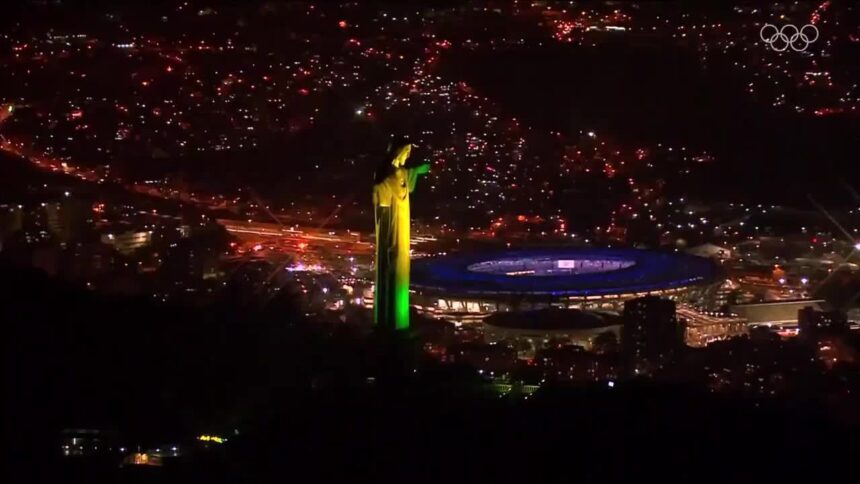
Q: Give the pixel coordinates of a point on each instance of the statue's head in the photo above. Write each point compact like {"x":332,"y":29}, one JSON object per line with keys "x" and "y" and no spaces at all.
{"x":399,"y":149}
{"x":401,"y":154}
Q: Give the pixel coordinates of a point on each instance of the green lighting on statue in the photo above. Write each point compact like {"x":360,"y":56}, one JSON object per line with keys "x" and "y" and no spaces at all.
{"x":391,"y":210}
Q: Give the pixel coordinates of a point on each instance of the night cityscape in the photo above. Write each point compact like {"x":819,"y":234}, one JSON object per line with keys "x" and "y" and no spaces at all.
{"x":427,"y":241}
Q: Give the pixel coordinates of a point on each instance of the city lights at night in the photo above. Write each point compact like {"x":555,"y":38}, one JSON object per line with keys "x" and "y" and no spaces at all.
{"x":386,"y":241}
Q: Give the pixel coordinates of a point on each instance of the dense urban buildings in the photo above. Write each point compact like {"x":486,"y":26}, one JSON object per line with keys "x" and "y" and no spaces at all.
{"x":635,"y":237}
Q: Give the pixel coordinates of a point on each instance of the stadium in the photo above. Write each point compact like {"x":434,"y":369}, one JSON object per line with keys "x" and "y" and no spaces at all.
{"x":468,"y":286}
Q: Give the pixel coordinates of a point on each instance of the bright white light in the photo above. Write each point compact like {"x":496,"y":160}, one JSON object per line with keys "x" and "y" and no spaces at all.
{"x":857,"y":246}
{"x":804,"y":280}
{"x":611,"y":384}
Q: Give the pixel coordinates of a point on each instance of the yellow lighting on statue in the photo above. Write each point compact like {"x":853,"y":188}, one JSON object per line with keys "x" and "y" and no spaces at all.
{"x":391,"y":209}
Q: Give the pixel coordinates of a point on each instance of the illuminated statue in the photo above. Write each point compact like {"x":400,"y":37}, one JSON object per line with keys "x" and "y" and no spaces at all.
{"x":391,"y":191}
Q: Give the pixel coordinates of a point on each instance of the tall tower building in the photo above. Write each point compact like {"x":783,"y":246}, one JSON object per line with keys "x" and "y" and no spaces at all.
{"x":651,"y":336}
{"x":813,"y":323}
{"x":67,"y":219}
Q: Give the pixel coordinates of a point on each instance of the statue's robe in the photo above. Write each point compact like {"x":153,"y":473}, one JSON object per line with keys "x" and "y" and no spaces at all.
{"x":391,"y":209}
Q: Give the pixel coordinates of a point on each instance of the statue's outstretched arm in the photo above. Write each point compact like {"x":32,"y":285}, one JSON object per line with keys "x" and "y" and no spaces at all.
{"x":414,"y":172}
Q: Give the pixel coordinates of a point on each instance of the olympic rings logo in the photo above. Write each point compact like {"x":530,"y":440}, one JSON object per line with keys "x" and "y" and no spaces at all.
{"x":789,"y":35}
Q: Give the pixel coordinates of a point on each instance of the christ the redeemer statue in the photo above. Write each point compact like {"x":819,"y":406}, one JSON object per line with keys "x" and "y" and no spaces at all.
{"x":391,"y":191}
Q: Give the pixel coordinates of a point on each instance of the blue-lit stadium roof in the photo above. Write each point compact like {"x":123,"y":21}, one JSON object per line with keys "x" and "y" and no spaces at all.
{"x":561,"y":272}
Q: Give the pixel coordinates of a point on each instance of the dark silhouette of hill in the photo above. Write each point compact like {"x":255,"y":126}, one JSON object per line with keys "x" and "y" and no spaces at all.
{"x":307,"y":412}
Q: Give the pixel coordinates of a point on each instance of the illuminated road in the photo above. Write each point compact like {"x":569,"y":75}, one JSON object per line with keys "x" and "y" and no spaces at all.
{"x":256,"y":236}
{"x":702,"y":319}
